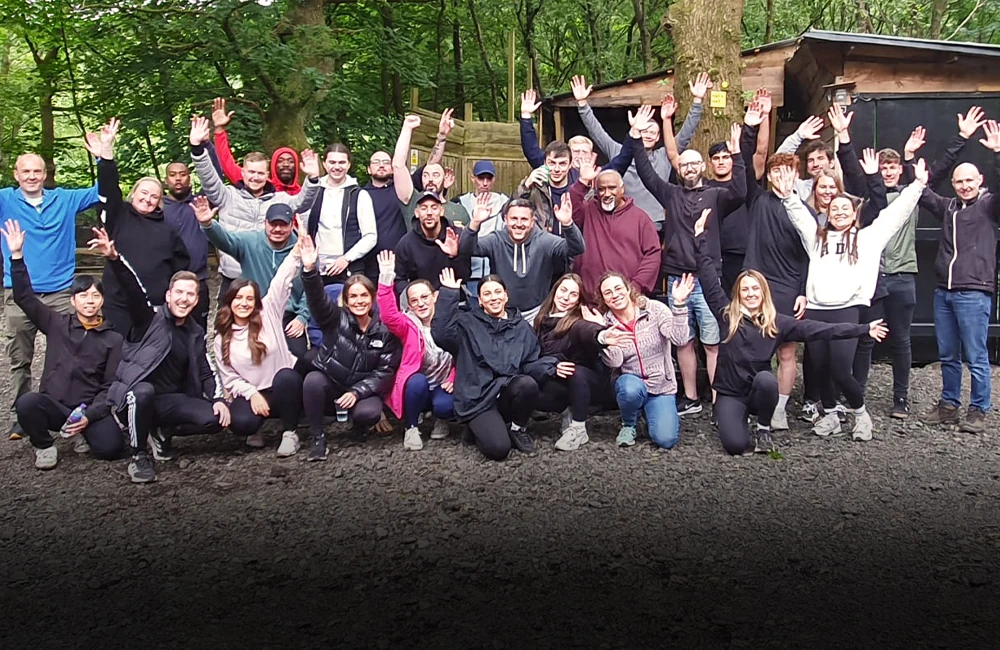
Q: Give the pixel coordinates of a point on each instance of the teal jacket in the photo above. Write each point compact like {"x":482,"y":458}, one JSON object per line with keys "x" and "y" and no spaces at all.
{"x":259,"y":261}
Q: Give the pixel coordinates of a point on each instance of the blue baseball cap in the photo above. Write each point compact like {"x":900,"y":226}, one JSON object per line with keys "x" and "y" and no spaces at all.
{"x":484,"y":167}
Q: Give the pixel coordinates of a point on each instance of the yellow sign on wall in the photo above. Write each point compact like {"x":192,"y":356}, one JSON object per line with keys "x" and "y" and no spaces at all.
{"x":718,"y":99}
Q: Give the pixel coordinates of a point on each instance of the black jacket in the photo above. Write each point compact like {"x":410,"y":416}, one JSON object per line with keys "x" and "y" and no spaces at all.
{"x":80,"y":364}
{"x":578,"y":345}
{"x":419,"y":258}
{"x":684,"y":207}
{"x":149,"y":340}
{"x":349,"y":227}
{"x":152,"y":246}
{"x":363,"y":363}
{"x":488,"y":352}
{"x":749,"y":351}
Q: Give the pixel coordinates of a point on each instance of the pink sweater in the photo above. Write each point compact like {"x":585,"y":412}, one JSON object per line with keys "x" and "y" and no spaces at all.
{"x":656,"y":328}
{"x":241,"y":378}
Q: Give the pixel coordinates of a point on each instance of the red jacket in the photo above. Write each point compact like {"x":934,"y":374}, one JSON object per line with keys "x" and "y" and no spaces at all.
{"x":235,"y":173}
{"x":625,"y":241}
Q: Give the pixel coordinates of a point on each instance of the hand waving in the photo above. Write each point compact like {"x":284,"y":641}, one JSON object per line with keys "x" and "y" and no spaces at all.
{"x":529,"y":103}
{"x":203,"y":210}
{"x":581,"y":91}
{"x":702,"y":222}
{"x":449,"y":280}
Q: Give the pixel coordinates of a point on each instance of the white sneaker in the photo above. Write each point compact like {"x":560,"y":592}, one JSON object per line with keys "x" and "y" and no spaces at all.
{"x":574,"y":437}
{"x":256,"y":440}
{"x":289,"y":444}
{"x":46,"y":458}
{"x":80,"y":444}
{"x":411,"y":439}
{"x":440,"y":430}
{"x":862,"y":427}
{"x":779,"y":421}
{"x":567,"y":419}
{"x":827,"y":425}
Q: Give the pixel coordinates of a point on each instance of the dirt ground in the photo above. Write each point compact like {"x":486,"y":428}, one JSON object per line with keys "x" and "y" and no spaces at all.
{"x":893,"y":543}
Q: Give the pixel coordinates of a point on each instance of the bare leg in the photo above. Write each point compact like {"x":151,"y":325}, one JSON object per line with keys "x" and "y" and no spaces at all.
{"x":687,"y":359}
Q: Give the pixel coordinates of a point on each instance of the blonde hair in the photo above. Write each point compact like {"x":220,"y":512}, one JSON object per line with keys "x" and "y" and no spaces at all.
{"x":145,"y":179}
{"x":766,"y":320}
{"x":581,"y":139}
{"x":812,"y":195}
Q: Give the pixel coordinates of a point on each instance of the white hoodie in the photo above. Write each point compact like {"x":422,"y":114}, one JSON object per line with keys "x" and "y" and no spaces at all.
{"x":330,"y":235}
{"x":833,"y":282}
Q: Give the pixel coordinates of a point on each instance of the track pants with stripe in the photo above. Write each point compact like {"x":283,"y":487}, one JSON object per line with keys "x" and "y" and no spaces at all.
{"x":145,"y":410}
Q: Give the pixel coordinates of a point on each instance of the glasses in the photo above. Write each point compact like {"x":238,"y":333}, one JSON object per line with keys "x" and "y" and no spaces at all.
{"x":687,"y":165}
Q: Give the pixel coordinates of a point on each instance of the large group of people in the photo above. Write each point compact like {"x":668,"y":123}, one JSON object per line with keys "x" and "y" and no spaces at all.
{"x":576,"y":294}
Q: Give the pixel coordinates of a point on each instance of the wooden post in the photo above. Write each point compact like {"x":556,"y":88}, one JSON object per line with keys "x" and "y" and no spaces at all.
{"x":557,"y":112}
{"x":511,"y":81}
{"x":468,"y":111}
{"x":414,"y":98}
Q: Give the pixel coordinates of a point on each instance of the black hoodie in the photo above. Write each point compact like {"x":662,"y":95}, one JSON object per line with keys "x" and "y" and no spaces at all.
{"x":419,"y":258}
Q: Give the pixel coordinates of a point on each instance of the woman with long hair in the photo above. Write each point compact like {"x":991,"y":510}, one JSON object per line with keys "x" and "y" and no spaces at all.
{"x":497,"y":364}
{"x":574,"y":335}
{"x":826,"y":185}
{"x":425,"y":380}
{"x":253,"y":358}
{"x":641,"y":361}
{"x":353,"y":368}
{"x":752,"y":330}
{"x":843,"y":270}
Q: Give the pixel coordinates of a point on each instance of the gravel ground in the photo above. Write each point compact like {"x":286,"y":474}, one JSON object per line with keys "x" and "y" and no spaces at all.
{"x":893,"y":543}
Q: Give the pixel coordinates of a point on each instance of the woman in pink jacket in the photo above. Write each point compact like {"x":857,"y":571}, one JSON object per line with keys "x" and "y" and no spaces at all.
{"x":426,"y":375}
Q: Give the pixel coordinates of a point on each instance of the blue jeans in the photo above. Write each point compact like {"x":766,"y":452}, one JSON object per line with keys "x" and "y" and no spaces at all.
{"x":961,"y":323}
{"x":700,"y":316}
{"x":661,"y":410}
{"x":419,"y":398}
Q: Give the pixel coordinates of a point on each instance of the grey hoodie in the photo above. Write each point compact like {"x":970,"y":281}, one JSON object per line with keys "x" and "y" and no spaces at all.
{"x":526,"y":267}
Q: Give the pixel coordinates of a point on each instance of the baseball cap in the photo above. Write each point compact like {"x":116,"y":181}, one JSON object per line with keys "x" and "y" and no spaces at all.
{"x":429,"y":195}
{"x":484,"y":167}
{"x":279,"y":212}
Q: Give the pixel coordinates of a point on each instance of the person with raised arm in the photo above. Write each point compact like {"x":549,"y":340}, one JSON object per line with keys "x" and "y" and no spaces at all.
{"x":483,"y":176}
{"x":431,"y":245}
{"x":753,"y":329}
{"x":433,"y":175}
{"x":284,"y":176}
{"x":178,"y":213}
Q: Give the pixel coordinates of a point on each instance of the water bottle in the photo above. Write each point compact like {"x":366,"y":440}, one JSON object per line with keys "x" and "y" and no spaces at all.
{"x":78,"y":414}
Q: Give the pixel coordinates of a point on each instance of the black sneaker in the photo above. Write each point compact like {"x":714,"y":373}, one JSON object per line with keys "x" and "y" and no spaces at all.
{"x":975,"y":421}
{"x":764,"y":443}
{"x":900,"y":408}
{"x":687,"y":406}
{"x":318,"y":450}
{"x":140,"y":470}
{"x":522,"y":442}
{"x":15,"y":432}
{"x":161,"y":444}
{"x":712,"y":420}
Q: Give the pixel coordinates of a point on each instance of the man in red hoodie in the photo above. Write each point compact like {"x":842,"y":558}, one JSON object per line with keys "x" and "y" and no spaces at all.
{"x":620,"y":236}
{"x":284,"y":160}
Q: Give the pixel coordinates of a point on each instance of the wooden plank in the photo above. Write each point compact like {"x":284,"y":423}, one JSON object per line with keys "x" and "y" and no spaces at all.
{"x":414,"y":99}
{"x":559,"y":129}
{"x":920,"y":77}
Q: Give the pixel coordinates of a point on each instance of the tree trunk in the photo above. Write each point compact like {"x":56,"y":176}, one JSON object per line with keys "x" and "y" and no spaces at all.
{"x":45,"y":64}
{"x":639,"y":7}
{"x":938,"y":10}
{"x":527,"y":24}
{"x":456,"y":52}
{"x":438,"y":59}
{"x":707,"y":38}
{"x":769,"y":24}
{"x":284,"y":126}
{"x":486,"y":60}
{"x":864,"y":17}
{"x":388,"y":22}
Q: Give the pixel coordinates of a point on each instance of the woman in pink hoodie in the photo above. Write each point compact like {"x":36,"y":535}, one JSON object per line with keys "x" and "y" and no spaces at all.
{"x":426,"y":376}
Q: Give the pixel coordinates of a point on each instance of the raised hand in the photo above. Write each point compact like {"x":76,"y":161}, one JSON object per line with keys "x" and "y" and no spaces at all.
{"x":386,"y":262}
{"x":763,"y":97}
{"x":971,"y":121}
{"x":920,"y":172}
{"x":702,"y":222}
{"x":643,"y":118}
{"x":701,"y":85}
{"x":108,"y":134}
{"x":755,"y":114}
{"x":450,"y":243}
{"x":103,"y":244}
{"x":539,"y":176}
{"x":310,"y":163}
{"x":581,"y":91}
{"x":15,"y":237}
{"x":200,"y":130}
{"x":810,"y":129}
{"x":869,"y":161}
{"x":992,"y":139}
{"x":92,"y":143}
{"x":839,"y":118}
{"x":785,"y":182}
{"x":877,"y":330}
{"x":203,"y":210}
{"x":529,"y":103}
{"x":916,"y":140}
{"x":564,"y":213}
{"x":448,"y":279}
{"x":449,"y":177}
{"x":447,"y":123}
{"x":592,"y":316}
{"x":588,"y":168}
{"x":682,"y":289}
{"x":735,"y":131}
{"x":411,"y":122}
{"x":307,"y":252}
{"x":668,"y":107}
{"x":483,"y":211}
{"x":220,"y":118}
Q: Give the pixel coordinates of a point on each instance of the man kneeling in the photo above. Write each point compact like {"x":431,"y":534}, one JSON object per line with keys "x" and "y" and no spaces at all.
{"x":164,"y":385}
{"x":81,"y":355}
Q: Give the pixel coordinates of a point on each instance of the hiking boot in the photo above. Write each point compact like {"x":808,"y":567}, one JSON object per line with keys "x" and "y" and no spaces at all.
{"x":161,"y":445}
{"x":862,"y":427}
{"x":521,"y":441}
{"x":827,"y":425}
{"x":440,"y":430}
{"x":574,"y":437}
{"x":256,"y":440}
{"x":779,"y":421}
{"x":46,"y":458}
{"x":140,"y":470}
{"x":318,"y":450}
{"x":687,"y":406}
{"x":764,"y":443}
{"x":289,"y":444}
{"x":411,"y":439}
{"x":900,"y":408}
{"x":942,"y":413}
{"x":975,"y":420}
{"x":810,"y":412}
{"x":626,"y":436}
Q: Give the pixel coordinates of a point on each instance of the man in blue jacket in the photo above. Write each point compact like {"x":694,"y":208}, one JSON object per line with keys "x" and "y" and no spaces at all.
{"x":48,"y":219}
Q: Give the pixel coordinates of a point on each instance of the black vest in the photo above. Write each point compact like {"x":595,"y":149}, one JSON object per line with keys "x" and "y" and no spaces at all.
{"x":348,"y":224}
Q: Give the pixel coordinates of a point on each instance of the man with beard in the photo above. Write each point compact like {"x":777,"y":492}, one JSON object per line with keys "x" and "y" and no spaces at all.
{"x":433,"y":181}
{"x":430,"y":246}
{"x":483,"y":175}
{"x":179,"y":215}
{"x":390,"y":225}
{"x":284,"y":161}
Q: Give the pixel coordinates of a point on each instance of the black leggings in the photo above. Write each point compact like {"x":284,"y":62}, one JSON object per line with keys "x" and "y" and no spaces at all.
{"x":318,"y":396}
{"x":583,"y":389}
{"x":731,"y":412}
{"x":863,"y":355}
{"x":516,"y":402}
{"x":833,"y":361}
{"x":284,"y":398}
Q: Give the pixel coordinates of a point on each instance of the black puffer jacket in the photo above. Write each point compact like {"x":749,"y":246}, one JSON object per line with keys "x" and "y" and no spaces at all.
{"x":488,"y":352}
{"x":578,"y":345}
{"x":363,"y":363}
